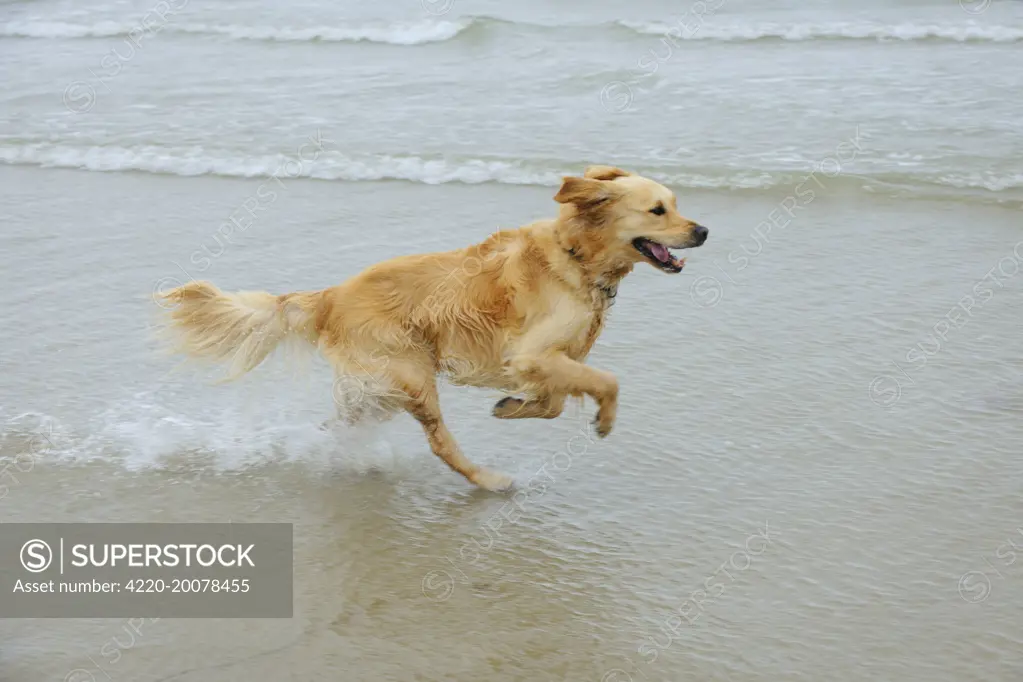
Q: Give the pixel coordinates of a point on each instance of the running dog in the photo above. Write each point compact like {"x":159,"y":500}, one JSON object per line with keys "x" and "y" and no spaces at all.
{"x":520,"y":317}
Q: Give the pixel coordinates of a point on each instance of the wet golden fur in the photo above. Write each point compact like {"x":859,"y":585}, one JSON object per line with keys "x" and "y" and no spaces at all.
{"x":518,"y":312}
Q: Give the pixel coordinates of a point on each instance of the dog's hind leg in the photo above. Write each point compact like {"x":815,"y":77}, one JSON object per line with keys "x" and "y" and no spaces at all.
{"x":420,"y":389}
{"x":549,"y":406}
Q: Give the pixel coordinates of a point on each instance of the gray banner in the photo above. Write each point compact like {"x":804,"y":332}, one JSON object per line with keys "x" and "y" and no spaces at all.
{"x":151,"y":570}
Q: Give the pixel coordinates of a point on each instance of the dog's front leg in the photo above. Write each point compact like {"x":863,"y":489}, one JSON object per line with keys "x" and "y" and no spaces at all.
{"x":555,"y":373}
{"x":547,"y":407}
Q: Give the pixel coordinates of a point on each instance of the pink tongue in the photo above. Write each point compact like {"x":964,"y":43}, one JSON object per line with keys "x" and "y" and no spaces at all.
{"x":660,"y":253}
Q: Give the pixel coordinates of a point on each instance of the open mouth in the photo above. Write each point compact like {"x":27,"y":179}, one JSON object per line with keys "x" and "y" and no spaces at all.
{"x":659,"y":255}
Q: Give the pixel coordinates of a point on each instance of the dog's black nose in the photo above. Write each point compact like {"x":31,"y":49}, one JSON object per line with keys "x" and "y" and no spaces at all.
{"x":700,"y":232}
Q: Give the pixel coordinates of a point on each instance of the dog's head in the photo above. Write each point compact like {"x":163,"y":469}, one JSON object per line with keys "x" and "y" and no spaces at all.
{"x":630,"y":217}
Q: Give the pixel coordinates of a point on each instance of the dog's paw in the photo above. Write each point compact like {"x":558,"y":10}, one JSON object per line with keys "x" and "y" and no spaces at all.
{"x":506,"y":407}
{"x":602,"y":427}
{"x":605,"y":420}
{"x":494,"y":481}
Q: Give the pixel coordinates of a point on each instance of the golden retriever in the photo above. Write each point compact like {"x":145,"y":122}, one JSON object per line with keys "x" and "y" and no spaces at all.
{"x":518,"y":312}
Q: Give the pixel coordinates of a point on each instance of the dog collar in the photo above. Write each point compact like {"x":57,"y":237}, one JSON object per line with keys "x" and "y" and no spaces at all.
{"x":609,"y":293}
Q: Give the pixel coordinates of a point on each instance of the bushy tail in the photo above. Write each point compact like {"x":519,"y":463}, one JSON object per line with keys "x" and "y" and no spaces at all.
{"x":240,"y":329}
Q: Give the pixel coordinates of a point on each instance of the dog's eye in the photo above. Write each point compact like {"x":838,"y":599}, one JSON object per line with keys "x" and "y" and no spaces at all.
{"x":658,"y":209}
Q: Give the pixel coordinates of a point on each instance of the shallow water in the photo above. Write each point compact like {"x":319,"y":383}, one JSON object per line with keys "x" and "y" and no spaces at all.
{"x":820,"y":417}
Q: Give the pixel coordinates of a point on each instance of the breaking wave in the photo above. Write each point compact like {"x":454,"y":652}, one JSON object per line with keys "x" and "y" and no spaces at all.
{"x":432,"y":31}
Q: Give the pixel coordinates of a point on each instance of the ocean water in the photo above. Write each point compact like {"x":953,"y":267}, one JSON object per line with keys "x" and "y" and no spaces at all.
{"x":716,"y":94}
{"x":815,"y":473}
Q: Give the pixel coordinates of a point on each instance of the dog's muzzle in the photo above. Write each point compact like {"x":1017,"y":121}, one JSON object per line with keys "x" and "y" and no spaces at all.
{"x":700,"y":234}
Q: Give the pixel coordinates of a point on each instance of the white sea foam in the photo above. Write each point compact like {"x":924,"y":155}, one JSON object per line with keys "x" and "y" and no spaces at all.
{"x":397,"y":34}
{"x":332,"y":166}
{"x":988,"y":181}
{"x":850,"y":31}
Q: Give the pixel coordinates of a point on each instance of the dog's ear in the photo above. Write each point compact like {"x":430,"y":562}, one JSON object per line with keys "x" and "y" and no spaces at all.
{"x":605,"y":173}
{"x":585,"y":193}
